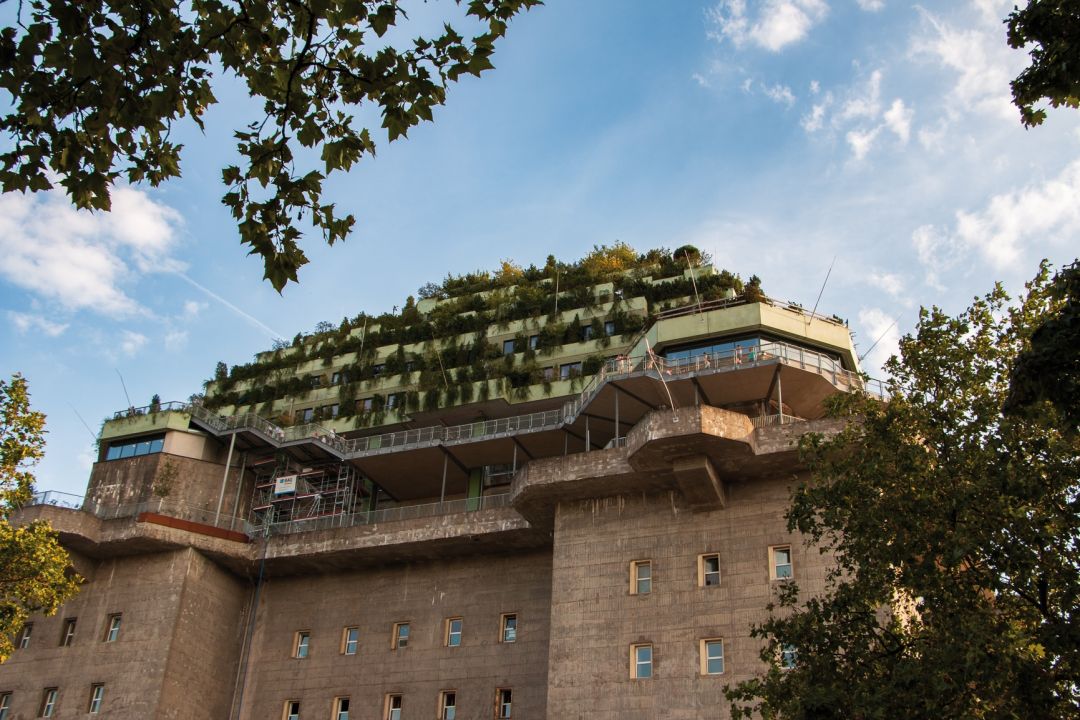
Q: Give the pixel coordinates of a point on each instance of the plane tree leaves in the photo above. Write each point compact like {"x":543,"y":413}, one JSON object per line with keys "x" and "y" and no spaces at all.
{"x":99,"y":84}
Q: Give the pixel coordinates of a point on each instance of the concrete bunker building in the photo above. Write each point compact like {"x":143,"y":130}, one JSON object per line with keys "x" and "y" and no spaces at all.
{"x":515,"y":499}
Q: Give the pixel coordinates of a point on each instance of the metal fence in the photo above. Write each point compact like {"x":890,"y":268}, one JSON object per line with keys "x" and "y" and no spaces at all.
{"x":163,"y":506}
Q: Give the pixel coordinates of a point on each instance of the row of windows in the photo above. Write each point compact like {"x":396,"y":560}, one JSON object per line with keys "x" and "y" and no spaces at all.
{"x":393,"y":703}
{"x":50,"y":698}
{"x":710,"y":658}
{"x":67,"y":632}
{"x":453,"y":628}
{"x":708,"y":570}
{"x":134,"y":448}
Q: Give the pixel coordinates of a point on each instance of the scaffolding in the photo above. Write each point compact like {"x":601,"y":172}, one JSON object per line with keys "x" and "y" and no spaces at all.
{"x":289,"y":492}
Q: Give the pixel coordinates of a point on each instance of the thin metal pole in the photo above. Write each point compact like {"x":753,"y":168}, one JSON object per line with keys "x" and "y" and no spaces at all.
{"x":780,"y":394}
{"x":225,"y":479}
{"x":239,"y":484}
{"x":616,"y":417}
{"x":586,"y":433}
{"x":442,"y":495}
{"x":513,"y":467}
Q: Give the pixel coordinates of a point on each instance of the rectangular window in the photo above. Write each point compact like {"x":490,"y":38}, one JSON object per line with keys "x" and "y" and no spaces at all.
{"x":24,"y":636}
{"x":133,"y":448}
{"x":302,"y":644}
{"x":508,"y":628}
{"x":641,"y":659}
{"x":534,"y":340}
{"x":586,"y":333}
{"x":307,"y":414}
{"x":335,"y":379}
{"x":331,"y":411}
{"x":5,"y":706}
{"x":453,"y":632}
{"x":641,"y":577}
{"x":504,"y":703}
{"x":392,"y":707}
{"x":508,"y":347}
{"x":709,"y":570}
{"x":112,"y":630}
{"x":401,"y":636}
{"x":447,"y":705}
{"x":341,"y":708}
{"x":780,"y":562}
{"x":68,"y":635}
{"x":788,"y":656}
{"x":712,"y":657}
{"x":549,"y":373}
{"x":291,"y":710}
{"x":393,"y":400}
{"x":48,"y":702}
{"x":316,"y":380}
{"x":569,"y":370}
{"x":609,"y":328}
{"x":97,"y":694}
{"x":364,"y":405}
{"x":350,"y":639}
{"x":378,"y":370}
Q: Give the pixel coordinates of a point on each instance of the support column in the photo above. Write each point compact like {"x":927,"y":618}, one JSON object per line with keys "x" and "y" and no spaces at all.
{"x":225,"y":479}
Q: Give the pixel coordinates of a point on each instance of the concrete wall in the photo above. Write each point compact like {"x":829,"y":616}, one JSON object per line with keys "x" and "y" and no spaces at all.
{"x":595,"y":619}
{"x":477,"y":589}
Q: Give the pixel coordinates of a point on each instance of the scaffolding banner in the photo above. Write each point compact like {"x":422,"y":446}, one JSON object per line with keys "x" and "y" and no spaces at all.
{"x":285,"y":484}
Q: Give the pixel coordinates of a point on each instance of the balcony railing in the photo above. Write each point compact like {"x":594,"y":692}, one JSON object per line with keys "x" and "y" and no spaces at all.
{"x":163,"y":506}
{"x":57,"y":499}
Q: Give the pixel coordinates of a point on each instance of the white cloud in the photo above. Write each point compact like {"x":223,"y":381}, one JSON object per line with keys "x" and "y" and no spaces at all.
{"x":176,"y":340}
{"x":861,"y":141}
{"x":192,"y":308}
{"x":891,"y":283}
{"x":933,"y":139}
{"x":898,"y":119}
{"x":871,"y":5}
{"x":815,"y":87}
{"x":877,"y":327}
{"x":983,"y":63}
{"x":1010,"y":222}
{"x":780,"y":94}
{"x":81,"y":259}
{"x":865,"y":103}
{"x":131,"y":342}
{"x":815,"y":119}
{"x":776,"y":24}
{"x":24,"y":322}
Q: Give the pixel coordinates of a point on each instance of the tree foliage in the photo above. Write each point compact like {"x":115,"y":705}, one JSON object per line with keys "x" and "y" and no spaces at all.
{"x":954,"y":527}
{"x":1052,"y":28}
{"x":34,"y":574}
{"x":99,"y":84}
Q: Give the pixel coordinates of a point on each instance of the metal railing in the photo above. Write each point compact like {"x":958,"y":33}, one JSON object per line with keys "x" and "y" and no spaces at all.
{"x":163,"y":506}
{"x":150,"y":409}
{"x":614,"y":369}
{"x":57,"y":499}
{"x":769,"y":420}
{"x":393,"y":514}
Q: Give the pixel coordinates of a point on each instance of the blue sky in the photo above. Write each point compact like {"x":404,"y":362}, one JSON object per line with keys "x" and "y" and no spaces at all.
{"x":775,"y":134}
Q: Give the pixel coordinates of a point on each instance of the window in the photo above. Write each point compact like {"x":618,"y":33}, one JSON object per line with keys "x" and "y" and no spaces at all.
{"x":534,"y":340}
{"x":292,"y":710}
{"x":134,"y":448}
{"x":641,"y":661}
{"x":788,"y":656}
{"x":393,"y":400}
{"x":316,"y":380}
{"x":331,"y":411}
{"x":609,"y":327}
{"x":68,"y":635}
{"x":378,"y":370}
{"x":5,"y":706}
{"x":302,"y":644}
{"x":712,"y":657}
{"x":709,"y":570}
{"x":508,"y":347}
{"x":24,"y":636}
{"x":641,"y":577}
{"x":508,"y":628}
{"x":341,"y":708}
{"x":453,"y":632}
{"x":112,"y":630}
{"x":447,"y":705}
{"x":97,"y":694}
{"x":780,"y":562}
{"x":503,"y":703}
{"x":48,"y":702}
{"x":401,"y":636}
{"x":364,"y":405}
{"x":586,"y":333}
{"x":350,"y":639}
{"x":307,"y":414}
{"x":549,"y":373}
{"x":335,"y":379}
{"x":569,"y":370}
{"x":392,"y":707}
